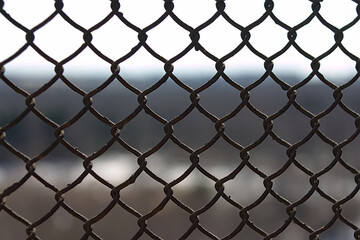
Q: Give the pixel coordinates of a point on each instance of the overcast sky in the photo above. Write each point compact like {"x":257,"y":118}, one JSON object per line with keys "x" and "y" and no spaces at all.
{"x":58,"y":39}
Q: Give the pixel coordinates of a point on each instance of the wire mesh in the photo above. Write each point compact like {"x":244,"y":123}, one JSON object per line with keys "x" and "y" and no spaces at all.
{"x":119,"y":194}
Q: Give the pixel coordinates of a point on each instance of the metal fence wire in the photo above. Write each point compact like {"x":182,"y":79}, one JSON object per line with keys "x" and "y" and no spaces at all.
{"x":195,"y":216}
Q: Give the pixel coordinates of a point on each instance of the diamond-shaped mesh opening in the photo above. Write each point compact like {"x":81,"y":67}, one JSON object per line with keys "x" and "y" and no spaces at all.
{"x":247,"y":232}
{"x":195,"y":191}
{"x":131,"y":9}
{"x":284,"y":8}
{"x":221,"y":159}
{"x":60,"y":167}
{"x":123,"y":102}
{"x":122,"y":224}
{"x":244,"y":67}
{"x":85,"y":195}
{"x":30,"y":76}
{"x":315,"y":212}
{"x":171,"y":219}
{"x":262,"y":214}
{"x":323,"y":41}
{"x":315,"y":96}
{"x":140,"y":132}
{"x":315,"y":154}
{"x":268,"y":157}
{"x":187,"y":11}
{"x":228,"y":43}
{"x":237,"y":11}
{"x":347,"y":209}
{"x":268,"y":102}
{"x":295,"y":188}
{"x":151,"y":69}
{"x":14,"y":228}
{"x":168,"y":166}
{"x":57,"y":39}
{"x":292,"y":66}
{"x":219,"y":223}
{"x":245,"y":127}
{"x":338,"y":183}
{"x":339,"y":230}
{"x":340,"y":120}
{"x":9,"y":160}
{"x":18,"y":9}
{"x":52,"y":106}
{"x":351,"y":98}
{"x":6,"y":95}
{"x":14,"y":35}
{"x":105,"y":38}
{"x":97,"y":9}
{"x":276,"y":40}
{"x":143,"y":188}
{"x":60,"y":225}
{"x":334,"y":7}
{"x":32,"y":207}
{"x":168,"y":105}
{"x":201,"y":132}
{"x":293,"y":231}
{"x":194,"y":69}
{"x":170,"y":45}
{"x":350,"y":37}
{"x":85,"y":68}
{"x":292,"y":126}
{"x":220,"y":99}
{"x":245,"y":188}
{"x":351,"y":153}
{"x":338,"y":67}
{"x":97,"y":133}
{"x":21,"y":136}
{"x":115,"y":167}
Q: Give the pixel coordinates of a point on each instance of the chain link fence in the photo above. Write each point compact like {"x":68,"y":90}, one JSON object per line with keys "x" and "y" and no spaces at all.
{"x":278,"y":208}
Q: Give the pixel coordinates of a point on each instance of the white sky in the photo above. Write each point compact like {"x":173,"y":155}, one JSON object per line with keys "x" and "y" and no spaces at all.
{"x":58,"y":39}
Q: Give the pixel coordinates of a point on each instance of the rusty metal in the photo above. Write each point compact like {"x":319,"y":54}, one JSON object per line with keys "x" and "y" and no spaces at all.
{"x":245,"y":219}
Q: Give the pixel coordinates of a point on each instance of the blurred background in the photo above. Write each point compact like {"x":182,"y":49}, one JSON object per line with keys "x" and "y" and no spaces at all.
{"x":87,"y":71}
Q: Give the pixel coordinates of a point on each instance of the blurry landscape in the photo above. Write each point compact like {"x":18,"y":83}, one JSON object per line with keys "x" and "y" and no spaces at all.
{"x":31,"y":136}
{"x":291,"y":35}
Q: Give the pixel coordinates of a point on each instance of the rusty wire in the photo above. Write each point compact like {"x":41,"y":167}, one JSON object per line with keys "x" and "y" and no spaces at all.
{"x":218,"y":123}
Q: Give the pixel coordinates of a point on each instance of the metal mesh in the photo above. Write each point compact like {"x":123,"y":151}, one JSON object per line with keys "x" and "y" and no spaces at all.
{"x":195,"y":215}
